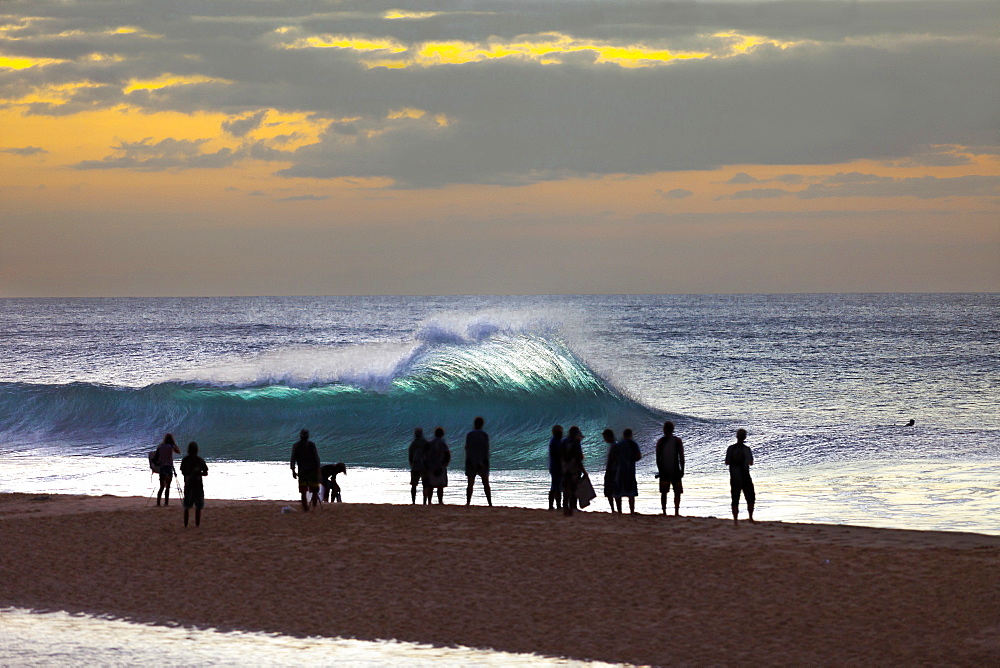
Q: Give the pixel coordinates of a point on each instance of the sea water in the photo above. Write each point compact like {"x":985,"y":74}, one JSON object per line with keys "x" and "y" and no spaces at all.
{"x":824,"y":384}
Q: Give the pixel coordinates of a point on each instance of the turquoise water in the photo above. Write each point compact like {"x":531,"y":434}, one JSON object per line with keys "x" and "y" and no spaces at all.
{"x":823,"y":383}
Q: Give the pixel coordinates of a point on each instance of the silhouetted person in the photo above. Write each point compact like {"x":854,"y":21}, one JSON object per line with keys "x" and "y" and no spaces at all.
{"x":328,"y":481}
{"x":193,"y":468}
{"x":477,"y":460}
{"x":611,"y":471}
{"x":670,"y":462}
{"x":911,"y":423}
{"x":438,"y":458}
{"x":555,"y":467}
{"x":417,"y":455}
{"x":627,"y":453}
{"x":305,"y":456}
{"x":739,"y":459}
{"x":165,"y":460}
{"x":572,"y":468}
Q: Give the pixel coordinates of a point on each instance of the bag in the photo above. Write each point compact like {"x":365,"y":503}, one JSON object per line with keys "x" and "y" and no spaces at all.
{"x":154,"y":461}
{"x":585,"y":491}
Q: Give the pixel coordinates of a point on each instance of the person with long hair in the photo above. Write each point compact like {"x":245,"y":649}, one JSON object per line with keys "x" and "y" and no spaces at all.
{"x":165,"y":460}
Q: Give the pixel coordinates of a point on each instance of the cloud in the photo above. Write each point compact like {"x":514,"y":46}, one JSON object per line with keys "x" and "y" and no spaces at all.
{"x":743,"y":178}
{"x":676,"y":193}
{"x":760,"y":193}
{"x":24,"y":151}
{"x":304,"y":198}
{"x":146,"y":156}
{"x":519,"y":91}
{"x":240,"y":127}
{"x":856,"y":184}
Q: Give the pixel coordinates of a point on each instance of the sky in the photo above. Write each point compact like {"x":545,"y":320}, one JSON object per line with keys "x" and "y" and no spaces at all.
{"x":324,"y":147}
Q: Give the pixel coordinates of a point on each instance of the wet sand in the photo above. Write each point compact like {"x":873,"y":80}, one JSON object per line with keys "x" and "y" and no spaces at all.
{"x":643,"y":589}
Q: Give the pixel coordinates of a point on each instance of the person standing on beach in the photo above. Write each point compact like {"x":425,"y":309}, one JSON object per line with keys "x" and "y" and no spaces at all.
{"x":572,"y":468}
{"x":436,"y":475}
{"x":670,"y":462}
{"x":417,"y":456}
{"x":165,"y":460}
{"x":628,"y":453}
{"x":193,"y":468}
{"x":555,"y":467}
{"x":306,"y":457}
{"x":329,"y":487}
{"x":739,"y":459}
{"x":611,"y":471}
{"x":477,"y":460}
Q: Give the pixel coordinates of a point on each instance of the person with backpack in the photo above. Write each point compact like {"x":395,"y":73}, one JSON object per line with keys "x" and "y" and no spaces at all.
{"x":739,"y":459}
{"x":165,"y":461}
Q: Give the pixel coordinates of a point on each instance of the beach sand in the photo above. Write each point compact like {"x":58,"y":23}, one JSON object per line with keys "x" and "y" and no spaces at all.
{"x":643,"y":589}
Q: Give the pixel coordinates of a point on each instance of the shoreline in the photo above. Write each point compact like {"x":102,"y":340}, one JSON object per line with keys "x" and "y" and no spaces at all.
{"x":644,"y":589}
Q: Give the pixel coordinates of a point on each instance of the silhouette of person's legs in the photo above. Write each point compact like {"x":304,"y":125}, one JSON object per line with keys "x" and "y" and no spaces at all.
{"x":750,"y":509}
{"x":305,"y":502}
{"x":468,"y":489}
{"x":197,"y":517}
{"x":618,"y":504}
{"x":440,"y":495}
{"x":631,"y":505}
{"x":187,"y":512}
{"x":677,"y":504}
{"x":663,"y":502}
{"x":489,"y":492}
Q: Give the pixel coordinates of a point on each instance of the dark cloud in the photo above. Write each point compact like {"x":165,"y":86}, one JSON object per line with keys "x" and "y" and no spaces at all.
{"x":864,"y":80}
{"x":240,"y":127}
{"x":743,"y":178}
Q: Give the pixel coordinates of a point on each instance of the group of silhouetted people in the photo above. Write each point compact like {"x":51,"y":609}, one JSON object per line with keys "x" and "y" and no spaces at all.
{"x":568,"y":474}
{"x":429,"y":462}
{"x":193,"y":469}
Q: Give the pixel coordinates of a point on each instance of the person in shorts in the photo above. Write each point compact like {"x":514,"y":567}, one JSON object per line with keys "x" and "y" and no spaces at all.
{"x":670,"y":462}
{"x":193,"y":468}
{"x":305,"y":456}
{"x":739,"y":459}
{"x":477,"y":460}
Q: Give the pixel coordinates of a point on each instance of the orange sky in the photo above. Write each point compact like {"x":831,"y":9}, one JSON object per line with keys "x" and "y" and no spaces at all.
{"x":123,"y":176}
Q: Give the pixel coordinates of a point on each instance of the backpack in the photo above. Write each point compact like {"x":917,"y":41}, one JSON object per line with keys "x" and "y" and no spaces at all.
{"x":154,"y":461}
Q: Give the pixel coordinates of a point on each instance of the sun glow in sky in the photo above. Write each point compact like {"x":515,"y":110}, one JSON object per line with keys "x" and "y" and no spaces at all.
{"x":522,"y":147}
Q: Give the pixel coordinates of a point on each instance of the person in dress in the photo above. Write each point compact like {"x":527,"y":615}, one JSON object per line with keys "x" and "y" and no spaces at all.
{"x":670,"y":463}
{"x":165,"y":452}
{"x":555,"y":467}
{"x":739,"y":459}
{"x":477,"y":460}
{"x":572,"y":468}
{"x":193,"y":468}
{"x":305,"y":457}
{"x":438,"y":458}
{"x":417,"y":456}
{"x":611,"y":471}
{"x":627,"y":453}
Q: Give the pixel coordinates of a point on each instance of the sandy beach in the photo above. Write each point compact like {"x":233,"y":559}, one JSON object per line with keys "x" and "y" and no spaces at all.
{"x":642,"y":590}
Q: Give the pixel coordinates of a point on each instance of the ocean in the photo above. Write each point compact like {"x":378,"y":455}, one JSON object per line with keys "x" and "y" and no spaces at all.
{"x":824,"y":384}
